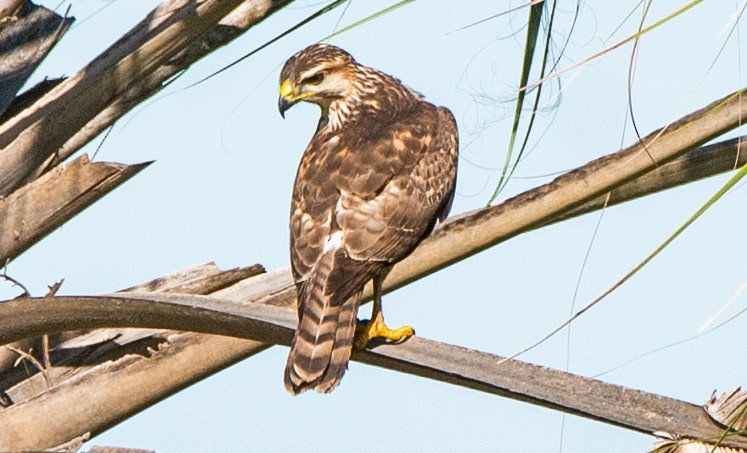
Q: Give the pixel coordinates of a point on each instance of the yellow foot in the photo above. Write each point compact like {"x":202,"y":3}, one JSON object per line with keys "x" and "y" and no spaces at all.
{"x":367,"y":330}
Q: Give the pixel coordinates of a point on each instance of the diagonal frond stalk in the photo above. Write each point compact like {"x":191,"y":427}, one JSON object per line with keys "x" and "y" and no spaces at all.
{"x":465,"y":235}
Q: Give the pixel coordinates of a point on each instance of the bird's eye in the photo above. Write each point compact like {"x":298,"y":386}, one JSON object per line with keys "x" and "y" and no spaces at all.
{"x":315,"y":79}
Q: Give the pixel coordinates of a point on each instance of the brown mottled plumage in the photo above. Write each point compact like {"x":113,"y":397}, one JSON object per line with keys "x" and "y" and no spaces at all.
{"x":377,"y":175}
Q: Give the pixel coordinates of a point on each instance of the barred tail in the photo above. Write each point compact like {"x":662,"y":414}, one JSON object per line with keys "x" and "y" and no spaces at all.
{"x":323,"y":341}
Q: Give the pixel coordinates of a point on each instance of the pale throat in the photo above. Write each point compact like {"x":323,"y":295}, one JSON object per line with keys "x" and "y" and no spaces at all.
{"x":342,"y":110}
{"x":336,"y":113}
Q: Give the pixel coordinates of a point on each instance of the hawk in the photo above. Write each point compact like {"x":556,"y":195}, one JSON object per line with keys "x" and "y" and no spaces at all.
{"x":378,"y":174}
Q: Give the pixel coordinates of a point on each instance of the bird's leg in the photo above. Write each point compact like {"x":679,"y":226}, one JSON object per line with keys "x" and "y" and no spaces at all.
{"x":367,"y":330}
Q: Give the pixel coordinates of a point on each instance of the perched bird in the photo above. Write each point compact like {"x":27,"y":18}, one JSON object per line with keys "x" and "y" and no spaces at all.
{"x":377,"y":175}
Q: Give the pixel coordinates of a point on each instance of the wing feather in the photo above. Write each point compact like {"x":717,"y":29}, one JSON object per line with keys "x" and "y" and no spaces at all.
{"x":419,"y":175}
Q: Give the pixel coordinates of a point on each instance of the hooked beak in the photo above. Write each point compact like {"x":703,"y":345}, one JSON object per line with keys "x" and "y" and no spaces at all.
{"x":284,"y":104}
{"x":287,"y":97}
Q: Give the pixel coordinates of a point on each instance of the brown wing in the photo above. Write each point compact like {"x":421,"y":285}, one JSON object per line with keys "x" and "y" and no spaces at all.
{"x":380,"y":189}
{"x":386,"y":224}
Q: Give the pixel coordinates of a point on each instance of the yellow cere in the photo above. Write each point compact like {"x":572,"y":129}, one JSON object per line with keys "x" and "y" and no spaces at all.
{"x":286,"y":89}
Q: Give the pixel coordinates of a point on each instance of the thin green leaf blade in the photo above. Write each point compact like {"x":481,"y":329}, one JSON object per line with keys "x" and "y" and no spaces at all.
{"x":533,"y":27}
{"x":373,"y":16}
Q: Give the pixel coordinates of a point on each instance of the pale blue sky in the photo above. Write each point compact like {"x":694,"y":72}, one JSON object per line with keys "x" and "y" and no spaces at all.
{"x":220,"y":188}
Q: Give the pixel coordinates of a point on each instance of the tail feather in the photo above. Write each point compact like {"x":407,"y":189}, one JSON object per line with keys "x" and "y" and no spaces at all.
{"x":323,"y":341}
{"x":344,"y":337}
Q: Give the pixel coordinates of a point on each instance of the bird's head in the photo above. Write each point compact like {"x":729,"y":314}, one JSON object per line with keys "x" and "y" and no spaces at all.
{"x":320,"y":73}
